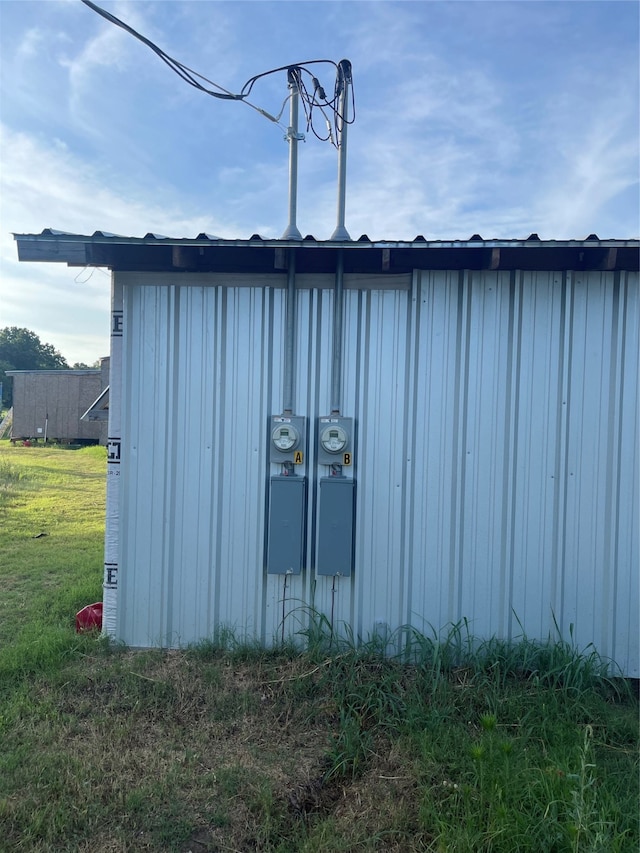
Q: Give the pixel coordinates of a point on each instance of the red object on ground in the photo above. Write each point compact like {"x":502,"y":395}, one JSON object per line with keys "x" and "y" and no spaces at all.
{"x":89,"y":618}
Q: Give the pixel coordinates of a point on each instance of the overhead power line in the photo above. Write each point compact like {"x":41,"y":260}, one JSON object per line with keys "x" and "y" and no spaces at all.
{"x":313,"y":98}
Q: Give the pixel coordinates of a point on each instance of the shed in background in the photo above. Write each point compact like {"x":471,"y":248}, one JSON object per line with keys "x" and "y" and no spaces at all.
{"x":49,"y":404}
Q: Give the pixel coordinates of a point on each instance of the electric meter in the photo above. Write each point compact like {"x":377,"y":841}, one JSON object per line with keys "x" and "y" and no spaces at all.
{"x":285,"y":437}
{"x":334,"y":439}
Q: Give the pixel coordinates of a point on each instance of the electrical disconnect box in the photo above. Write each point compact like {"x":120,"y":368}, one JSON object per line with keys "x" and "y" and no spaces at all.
{"x":335,"y":526}
{"x":335,"y":440}
{"x":287,"y":509}
{"x":287,"y":439}
{"x":337,"y":497}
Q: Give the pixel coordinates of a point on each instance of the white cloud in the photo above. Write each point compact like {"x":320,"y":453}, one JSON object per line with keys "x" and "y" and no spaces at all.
{"x":110,"y":48}
{"x":52,"y":301}
{"x":42,"y":184}
{"x":593,"y":165}
{"x":31,"y":43}
{"x":45,"y":184}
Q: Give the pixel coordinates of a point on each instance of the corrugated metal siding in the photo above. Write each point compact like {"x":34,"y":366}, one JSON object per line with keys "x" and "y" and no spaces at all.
{"x":496,"y":459}
{"x":198,"y":389}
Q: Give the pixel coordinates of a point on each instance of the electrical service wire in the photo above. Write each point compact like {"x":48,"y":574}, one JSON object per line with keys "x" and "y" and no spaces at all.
{"x":180,"y":69}
{"x":183,"y":71}
{"x":310,"y":101}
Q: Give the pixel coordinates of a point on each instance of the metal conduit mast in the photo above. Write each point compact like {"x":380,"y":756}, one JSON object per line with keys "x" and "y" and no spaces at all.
{"x":338,"y":308}
{"x":340,"y":233}
{"x":293,"y":137}
{"x":344,"y":81}
{"x":290,"y":336}
{"x":291,"y":233}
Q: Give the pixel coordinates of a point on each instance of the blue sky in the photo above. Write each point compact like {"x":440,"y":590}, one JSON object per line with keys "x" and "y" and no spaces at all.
{"x":498,"y":118}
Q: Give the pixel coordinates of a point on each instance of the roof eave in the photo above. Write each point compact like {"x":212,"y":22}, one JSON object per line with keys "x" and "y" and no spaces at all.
{"x":206,"y":253}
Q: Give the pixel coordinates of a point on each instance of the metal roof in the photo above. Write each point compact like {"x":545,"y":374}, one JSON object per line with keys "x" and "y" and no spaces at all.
{"x":63,"y":371}
{"x":99,"y":409}
{"x":205,"y":253}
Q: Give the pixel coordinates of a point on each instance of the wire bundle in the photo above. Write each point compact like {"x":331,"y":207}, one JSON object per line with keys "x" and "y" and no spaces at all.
{"x":313,"y":99}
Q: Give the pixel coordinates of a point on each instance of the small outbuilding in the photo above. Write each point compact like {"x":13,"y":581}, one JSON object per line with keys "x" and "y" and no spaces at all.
{"x":389,"y":435}
{"x":49,"y":404}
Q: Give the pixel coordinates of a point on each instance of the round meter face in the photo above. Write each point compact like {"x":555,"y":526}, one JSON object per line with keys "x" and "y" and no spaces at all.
{"x":334,"y":439}
{"x":285,"y":437}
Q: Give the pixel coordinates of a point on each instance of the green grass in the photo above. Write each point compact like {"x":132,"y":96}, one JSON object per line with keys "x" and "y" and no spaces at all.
{"x":51,"y":550}
{"x":448,"y":744}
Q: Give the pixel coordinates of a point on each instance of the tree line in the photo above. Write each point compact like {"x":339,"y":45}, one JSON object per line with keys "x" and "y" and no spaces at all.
{"x":22,"y":349}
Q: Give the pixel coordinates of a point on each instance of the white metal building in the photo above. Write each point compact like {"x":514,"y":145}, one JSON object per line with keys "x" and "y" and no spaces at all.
{"x":480,"y":399}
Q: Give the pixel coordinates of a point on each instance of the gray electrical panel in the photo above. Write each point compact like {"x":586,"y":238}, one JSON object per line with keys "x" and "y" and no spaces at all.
{"x":287,"y":513}
{"x":335,"y":526}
